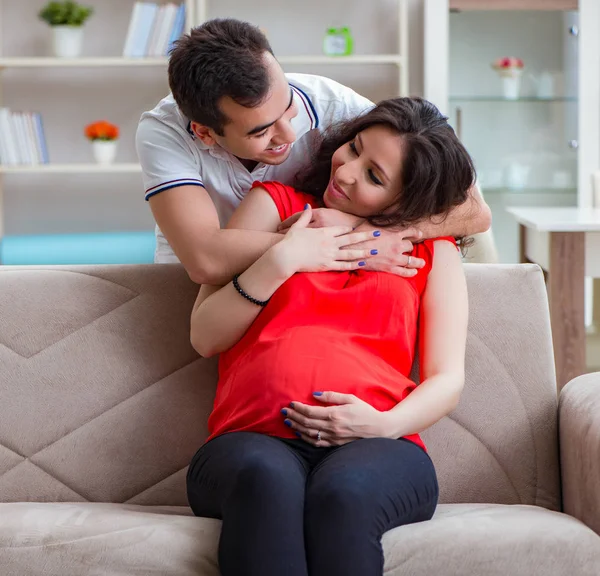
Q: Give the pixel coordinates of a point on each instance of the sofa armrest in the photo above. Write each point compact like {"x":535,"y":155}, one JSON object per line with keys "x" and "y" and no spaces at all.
{"x":579,"y":433}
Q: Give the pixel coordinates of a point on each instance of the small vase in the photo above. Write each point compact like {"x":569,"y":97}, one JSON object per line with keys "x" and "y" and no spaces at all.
{"x":104,"y":151}
{"x":511,"y":83}
{"x":67,"y":41}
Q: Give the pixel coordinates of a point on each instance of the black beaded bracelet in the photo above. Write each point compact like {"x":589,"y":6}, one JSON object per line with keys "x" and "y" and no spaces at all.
{"x":247,"y":296}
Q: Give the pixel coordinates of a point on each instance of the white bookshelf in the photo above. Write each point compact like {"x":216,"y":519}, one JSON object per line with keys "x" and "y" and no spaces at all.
{"x":120,"y":61}
{"x":197,"y":11}
{"x":80,"y":62}
{"x":75,"y":168}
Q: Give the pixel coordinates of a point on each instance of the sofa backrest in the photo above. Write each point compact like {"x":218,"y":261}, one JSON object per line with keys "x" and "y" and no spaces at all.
{"x":103,"y":398}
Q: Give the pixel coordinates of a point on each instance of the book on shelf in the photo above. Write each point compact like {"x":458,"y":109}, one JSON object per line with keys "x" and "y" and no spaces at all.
{"x":153,"y":29}
{"x":22,"y":139}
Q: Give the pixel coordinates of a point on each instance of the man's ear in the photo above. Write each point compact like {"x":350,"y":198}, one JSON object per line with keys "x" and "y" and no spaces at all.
{"x":204,"y":133}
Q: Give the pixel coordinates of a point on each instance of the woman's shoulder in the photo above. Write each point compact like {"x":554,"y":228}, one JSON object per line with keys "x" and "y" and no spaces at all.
{"x":287,"y":199}
{"x":426,"y":248}
{"x":426,"y":251}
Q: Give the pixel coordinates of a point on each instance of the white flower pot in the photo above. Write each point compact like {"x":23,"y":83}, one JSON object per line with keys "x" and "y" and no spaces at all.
{"x":104,"y":151}
{"x":511,"y":83}
{"x":67,"y":41}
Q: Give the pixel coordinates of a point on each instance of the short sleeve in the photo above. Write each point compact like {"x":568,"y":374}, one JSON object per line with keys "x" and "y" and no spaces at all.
{"x":165,"y":157}
{"x":327,"y":101}
{"x":288,"y":200}
{"x":347,"y":105}
{"x":425,"y":250}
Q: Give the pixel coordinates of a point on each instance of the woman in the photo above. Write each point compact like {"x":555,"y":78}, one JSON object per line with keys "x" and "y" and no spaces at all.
{"x":314,"y":449}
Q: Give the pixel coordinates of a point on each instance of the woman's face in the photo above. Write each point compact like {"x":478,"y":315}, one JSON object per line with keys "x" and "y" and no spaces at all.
{"x":366,"y":173}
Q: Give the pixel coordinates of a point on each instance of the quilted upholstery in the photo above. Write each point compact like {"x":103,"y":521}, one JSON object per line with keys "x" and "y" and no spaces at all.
{"x":104,"y":399}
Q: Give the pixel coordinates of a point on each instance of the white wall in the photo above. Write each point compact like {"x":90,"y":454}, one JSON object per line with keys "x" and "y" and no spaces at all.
{"x":70,"y":98}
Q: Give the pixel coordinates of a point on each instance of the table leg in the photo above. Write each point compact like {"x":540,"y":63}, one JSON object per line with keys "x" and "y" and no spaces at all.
{"x":566,"y":297}
{"x":522,"y":245}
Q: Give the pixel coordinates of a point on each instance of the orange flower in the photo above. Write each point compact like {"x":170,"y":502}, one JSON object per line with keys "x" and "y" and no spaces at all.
{"x":101,"y":130}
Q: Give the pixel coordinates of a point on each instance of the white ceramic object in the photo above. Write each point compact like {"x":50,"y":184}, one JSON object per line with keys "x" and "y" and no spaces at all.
{"x":67,"y":41}
{"x":105,"y":151}
{"x":511,"y":83}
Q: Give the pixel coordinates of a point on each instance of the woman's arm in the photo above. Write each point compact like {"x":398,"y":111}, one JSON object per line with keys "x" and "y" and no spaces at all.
{"x":220,"y":316}
{"x":442,"y":342}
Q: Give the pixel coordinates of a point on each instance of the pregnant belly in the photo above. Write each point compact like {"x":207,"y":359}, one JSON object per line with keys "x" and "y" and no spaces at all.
{"x":255,"y":387}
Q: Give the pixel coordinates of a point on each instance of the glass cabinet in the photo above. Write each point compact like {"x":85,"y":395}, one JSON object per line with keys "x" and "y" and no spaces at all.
{"x":510,"y":81}
{"x":513,"y":101}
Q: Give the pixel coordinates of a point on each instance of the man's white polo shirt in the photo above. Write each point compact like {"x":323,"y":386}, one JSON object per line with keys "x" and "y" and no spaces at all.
{"x":172,"y":156}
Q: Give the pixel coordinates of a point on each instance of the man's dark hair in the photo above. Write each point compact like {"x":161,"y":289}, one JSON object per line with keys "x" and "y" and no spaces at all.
{"x":222,"y":57}
{"x":437,"y":171}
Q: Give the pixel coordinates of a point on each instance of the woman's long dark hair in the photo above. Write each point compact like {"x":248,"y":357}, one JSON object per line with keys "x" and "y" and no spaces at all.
{"x":437,"y":171}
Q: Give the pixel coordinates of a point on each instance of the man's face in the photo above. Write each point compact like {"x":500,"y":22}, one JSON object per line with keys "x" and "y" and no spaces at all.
{"x":263,"y":133}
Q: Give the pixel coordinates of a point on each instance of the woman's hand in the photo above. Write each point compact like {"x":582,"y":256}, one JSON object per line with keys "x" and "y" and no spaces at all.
{"x":322,"y":218}
{"x":349,"y":419}
{"x":319,"y":249}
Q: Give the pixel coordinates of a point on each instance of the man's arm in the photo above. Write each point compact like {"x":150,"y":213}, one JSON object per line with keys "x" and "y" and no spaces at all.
{"x":188,"y":218}
{"x":472,"y":217}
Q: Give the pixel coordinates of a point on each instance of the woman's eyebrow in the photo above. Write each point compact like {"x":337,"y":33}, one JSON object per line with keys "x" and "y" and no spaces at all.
{"x":379,"y":168}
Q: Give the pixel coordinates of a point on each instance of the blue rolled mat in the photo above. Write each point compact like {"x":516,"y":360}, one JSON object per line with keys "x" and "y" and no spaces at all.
{"x":98,"y":248}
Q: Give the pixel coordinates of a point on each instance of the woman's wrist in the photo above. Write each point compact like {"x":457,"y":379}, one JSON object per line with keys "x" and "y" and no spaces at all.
{"x":279,"y":259}
{"x":387,"y":426}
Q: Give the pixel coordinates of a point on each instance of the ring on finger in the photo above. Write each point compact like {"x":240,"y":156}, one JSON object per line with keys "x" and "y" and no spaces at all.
{"x":408,"y":261}
{"x":318,"y":435}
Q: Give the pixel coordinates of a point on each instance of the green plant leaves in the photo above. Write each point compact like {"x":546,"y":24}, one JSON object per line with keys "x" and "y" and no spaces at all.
{"x":65,"y":13}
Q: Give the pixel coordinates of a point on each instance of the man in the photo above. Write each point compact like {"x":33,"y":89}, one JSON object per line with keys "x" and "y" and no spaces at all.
{"x":234,"y":118}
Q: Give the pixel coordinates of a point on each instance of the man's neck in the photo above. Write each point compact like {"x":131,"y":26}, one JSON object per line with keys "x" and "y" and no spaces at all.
{"x":249,"y":164}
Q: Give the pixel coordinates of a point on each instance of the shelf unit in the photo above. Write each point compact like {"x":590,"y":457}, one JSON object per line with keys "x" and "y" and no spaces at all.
{"x":75,"y":168}
{"x":197,"y":11}
{"x":47,"y":62}
{"x":16,"y":62}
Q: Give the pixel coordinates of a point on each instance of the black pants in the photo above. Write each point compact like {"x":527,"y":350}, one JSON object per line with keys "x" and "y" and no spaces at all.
{"x":290,"y":509}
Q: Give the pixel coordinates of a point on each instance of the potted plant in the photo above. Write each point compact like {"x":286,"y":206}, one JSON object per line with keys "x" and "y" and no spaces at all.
{"x":510,"y":70}
{"x":67,"y":20}
{"x":103,"y":136}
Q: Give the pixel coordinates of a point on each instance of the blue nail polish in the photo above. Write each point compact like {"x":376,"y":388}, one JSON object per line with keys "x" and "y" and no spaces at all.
{"x":376,"y":233}
{"x":374,"y":252}
{"x":298,"y":434}
{"x":291,"y":404}
{"x":361,"y":263}
{"x":306,"y":206}
{"x":288,"y":423}
{"x":317,"y":393}
{"x":284,"y":412}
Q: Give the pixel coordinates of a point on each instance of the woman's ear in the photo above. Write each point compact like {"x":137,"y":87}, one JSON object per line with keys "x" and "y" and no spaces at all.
{"x":205,"y":134}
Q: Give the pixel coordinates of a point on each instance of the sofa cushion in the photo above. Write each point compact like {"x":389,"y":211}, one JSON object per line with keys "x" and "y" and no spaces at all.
{"x":65,"y":539}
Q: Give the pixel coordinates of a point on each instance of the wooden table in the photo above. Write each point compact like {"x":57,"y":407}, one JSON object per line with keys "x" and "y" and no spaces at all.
{"x":565,"y":242}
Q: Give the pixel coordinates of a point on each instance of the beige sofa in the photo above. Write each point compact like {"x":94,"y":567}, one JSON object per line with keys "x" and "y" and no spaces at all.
{"x":104,"y":402}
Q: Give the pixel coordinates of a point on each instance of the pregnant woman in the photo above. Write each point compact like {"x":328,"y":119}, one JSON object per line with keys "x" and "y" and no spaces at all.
{"x":314,"y":449}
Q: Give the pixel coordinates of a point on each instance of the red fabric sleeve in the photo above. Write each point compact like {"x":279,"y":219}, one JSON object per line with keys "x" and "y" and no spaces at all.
{"x":287,"y":199}
{"x":425,"y":250}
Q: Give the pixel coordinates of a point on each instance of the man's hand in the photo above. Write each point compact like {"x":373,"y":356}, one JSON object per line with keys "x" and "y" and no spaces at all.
{"x":391,"y":251}
{"x":323,"y":218}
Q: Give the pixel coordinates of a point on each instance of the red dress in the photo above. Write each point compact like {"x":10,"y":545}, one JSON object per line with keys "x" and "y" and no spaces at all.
{"x":351,"y":332}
